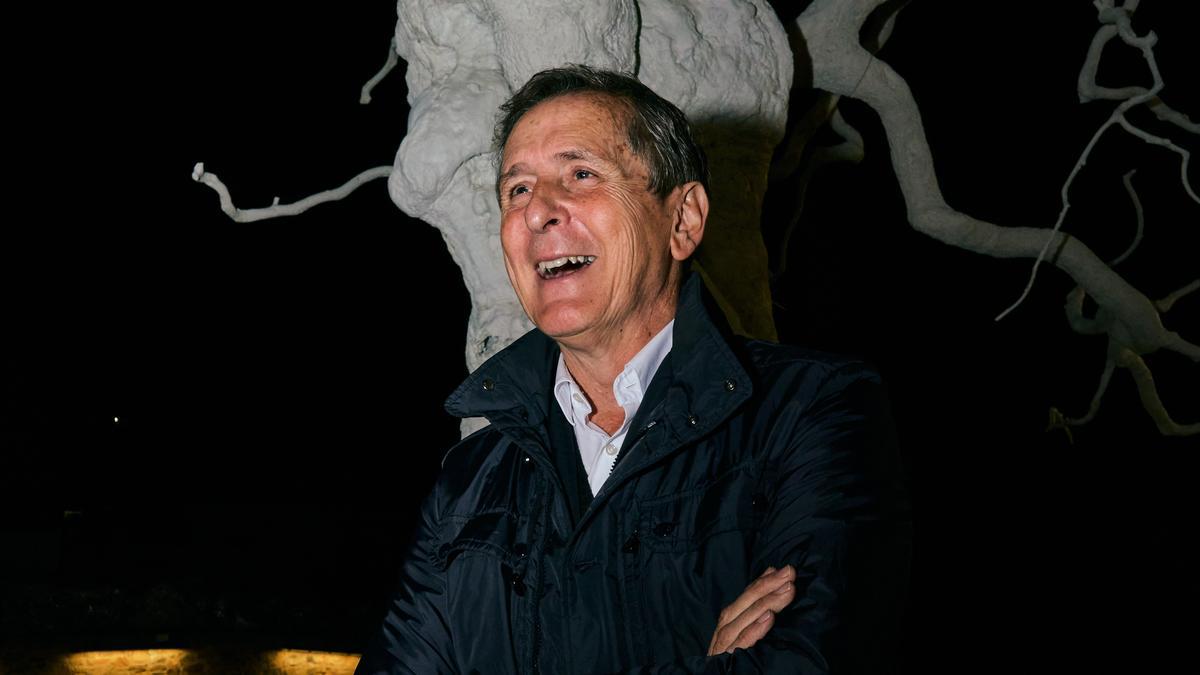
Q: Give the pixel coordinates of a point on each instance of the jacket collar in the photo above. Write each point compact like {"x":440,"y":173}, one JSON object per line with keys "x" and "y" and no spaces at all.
{"x":514,"y":387}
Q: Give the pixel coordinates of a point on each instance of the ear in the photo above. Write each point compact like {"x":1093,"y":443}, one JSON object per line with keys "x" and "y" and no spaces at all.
{"x":690,"y":202}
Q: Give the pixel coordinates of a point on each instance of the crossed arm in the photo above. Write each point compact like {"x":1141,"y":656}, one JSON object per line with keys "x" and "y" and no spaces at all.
{"x":838,"y":529}
{"x":749,"y":618}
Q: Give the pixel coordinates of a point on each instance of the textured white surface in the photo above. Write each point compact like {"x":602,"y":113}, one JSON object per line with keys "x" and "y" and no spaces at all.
{"x":727,"y":65}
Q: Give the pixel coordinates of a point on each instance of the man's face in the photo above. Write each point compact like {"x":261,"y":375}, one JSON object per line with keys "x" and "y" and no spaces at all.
{"x":571,"y":188}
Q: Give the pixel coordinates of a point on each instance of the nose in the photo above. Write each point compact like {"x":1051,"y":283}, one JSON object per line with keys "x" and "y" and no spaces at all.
{"x":546,"y":207}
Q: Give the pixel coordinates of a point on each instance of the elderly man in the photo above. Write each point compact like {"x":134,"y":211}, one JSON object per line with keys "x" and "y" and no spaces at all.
{"x":653,"y":495}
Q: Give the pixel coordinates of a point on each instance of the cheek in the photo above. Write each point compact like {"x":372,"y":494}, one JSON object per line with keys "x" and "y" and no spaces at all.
{"x":625,"y":222}
{"x":512,"y":249}
{"x":510,"y":237}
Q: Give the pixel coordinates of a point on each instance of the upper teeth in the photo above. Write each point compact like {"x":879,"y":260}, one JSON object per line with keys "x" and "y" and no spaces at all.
{"x":551,"y":265}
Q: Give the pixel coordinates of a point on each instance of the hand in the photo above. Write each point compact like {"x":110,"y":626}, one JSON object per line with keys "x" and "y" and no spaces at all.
{"x":748,"y":618}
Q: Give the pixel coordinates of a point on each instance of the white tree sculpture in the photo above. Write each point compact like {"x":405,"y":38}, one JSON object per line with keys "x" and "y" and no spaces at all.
{"x":841,"y":65}
{"x":729,"y":67}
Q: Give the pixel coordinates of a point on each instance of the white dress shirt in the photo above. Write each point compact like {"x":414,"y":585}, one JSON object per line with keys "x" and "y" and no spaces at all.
{"x":597,"y":449}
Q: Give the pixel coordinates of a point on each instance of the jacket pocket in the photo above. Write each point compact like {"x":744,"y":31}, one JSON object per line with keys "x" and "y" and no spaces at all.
{"x":492,"y":533}
{"x":696,"y":545}
{"x":733,"y":501}
{"x":484,"y":561}
{"x":485,"y":549}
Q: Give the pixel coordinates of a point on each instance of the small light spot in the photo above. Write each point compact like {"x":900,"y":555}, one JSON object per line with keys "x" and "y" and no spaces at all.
{"x":116,"y":420}
{"x":290,"y":661}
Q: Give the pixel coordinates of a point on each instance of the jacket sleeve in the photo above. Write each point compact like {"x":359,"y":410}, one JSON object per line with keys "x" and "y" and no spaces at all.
{"x":840,"y":517}
{"x":415,"y":636}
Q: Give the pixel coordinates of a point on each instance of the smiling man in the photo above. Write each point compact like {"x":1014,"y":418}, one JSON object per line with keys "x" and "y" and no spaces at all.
{"x":653,"y":495}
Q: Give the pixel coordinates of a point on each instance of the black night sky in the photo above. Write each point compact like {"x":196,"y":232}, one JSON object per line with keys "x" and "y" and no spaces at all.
{"x":231,"y":425}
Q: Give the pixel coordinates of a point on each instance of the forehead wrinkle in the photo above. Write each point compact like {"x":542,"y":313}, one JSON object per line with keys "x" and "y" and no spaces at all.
{"x":619,"y":114}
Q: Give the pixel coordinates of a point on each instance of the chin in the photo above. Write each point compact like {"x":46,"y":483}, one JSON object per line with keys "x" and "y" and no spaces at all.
{"x":560,"y":324}
{"x":558,"y":329}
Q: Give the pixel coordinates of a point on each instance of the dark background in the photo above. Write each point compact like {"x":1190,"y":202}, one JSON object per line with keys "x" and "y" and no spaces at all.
{"x":278,"y":384}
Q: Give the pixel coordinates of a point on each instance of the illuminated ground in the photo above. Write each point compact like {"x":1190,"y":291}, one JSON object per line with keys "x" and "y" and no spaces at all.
{"x":217,"y":661}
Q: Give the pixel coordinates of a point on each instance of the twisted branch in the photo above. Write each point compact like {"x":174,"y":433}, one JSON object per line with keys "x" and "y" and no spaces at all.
{"x":1133,"y":323}
{"x":276,"y":209}
{"x":392,"y":59}
{"x":1118,"y":22}
{"x":1127,"y":181}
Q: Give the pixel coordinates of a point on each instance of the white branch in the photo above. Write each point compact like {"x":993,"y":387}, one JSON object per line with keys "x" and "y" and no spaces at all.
{"x":1165,"y":113}
{"x":392,"y":59}
{"x":1105,"y":377}
{"x":1148,"y":392}
{"x":1062,"y":215}
{"x":1146,"y":45}
{"x":839,"y":64}
{"x":1090,"y":90}
{"x":851,"y":149}
{"x":1127,"y":181}
{"x":1086,"y":85}
{"x":1131,"y":320}
{"x":276,"y":209}
{"x":1166,"y":303}
{"x":1156,"y":140}
{"x":1079,"y":323}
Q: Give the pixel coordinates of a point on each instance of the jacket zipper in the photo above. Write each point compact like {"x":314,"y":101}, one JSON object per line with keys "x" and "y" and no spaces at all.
{"x":541,"y":574}
{"x":630,"y":445}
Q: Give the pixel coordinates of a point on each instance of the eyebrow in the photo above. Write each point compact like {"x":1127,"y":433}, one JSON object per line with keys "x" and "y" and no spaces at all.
{"x":568,"y":155}
{"x":512,"y":171}
{"x":572,"y":154}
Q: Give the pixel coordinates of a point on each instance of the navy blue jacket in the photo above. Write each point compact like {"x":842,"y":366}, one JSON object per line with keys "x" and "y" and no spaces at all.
{"x":743,"y":455}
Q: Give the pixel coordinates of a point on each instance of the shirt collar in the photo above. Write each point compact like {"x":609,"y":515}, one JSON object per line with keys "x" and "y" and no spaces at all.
{"x":709,"y":380}
{"x":628,"y":389}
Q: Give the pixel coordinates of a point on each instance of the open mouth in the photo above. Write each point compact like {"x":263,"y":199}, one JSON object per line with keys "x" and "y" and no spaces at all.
{"x":568,"y":264}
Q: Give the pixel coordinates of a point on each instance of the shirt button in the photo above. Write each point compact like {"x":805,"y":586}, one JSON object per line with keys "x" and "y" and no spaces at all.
{"x":692,"y":420}
{"x":730,"y":385}
{"x":488,"y":384}
{"x":578,"y":398}
{"x":610,"y":449}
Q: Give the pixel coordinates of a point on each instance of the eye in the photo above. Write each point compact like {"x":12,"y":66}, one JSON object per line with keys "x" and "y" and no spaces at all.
{"x":583,"y":174}
{"x":518,"y":189}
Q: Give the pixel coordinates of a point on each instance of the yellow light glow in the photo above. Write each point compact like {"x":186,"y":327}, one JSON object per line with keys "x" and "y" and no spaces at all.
{"x":119,"y":663}
{"x":297,"y":662}
{"x":281,"y":662}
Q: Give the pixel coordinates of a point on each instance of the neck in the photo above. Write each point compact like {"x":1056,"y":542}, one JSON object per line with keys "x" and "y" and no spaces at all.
{"x":596,"y":367}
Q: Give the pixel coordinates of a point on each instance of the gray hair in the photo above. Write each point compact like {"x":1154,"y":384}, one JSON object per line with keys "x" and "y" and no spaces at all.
{"x":659,"y":133}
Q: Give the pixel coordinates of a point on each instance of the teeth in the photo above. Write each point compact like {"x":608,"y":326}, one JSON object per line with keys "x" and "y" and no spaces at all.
{"x":545,"y":268}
